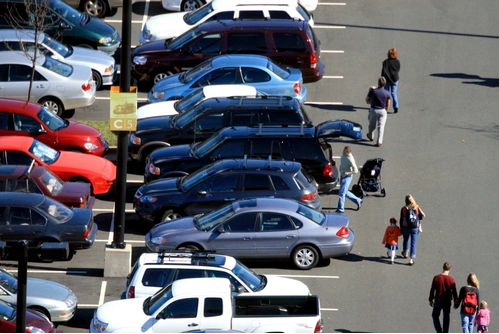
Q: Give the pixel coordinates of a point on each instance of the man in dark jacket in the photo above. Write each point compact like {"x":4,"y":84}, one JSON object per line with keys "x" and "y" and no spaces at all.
{"x":443,"y":291}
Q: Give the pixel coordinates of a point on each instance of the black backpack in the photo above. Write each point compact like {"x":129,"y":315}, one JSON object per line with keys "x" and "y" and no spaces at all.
{"x":412,"y":218}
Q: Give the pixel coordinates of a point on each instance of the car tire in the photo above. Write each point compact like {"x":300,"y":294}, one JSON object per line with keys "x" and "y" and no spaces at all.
{"x":190,"y":5}
{"x":305,"y":257}
{"x":189,"y":247}
{"x":169,"y":215}
{"x":52,"y":104}
{"x":98,"y":79}
{"x":95,"y":8}
{"x":40,"y":309}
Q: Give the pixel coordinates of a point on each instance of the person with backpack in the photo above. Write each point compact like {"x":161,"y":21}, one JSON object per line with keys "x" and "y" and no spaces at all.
{"x":469,"y":299}
{"x":410,"y":216}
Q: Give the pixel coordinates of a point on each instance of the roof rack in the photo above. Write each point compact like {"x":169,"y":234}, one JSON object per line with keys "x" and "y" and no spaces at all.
{"x":260,"y":128}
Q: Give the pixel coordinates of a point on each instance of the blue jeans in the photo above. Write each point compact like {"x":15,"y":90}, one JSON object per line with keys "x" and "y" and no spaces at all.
{"x":439,"y":306}
{"x":344,"y":185}
{"x":467,"y":322}
{"x":410,"y":233}
{"x":392,"y":88}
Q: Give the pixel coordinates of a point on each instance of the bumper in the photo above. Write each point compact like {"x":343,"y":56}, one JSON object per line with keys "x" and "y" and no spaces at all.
{"x":344,"y":247}
{"x":314,"y":74}
{"x":109,"y":49}
{"x":173,"y":5}
{"x":302,"y":98}
{"x":103,"y":188}
{"x":109,"y":79}
{"x":79,"y":102}
{"x":62,"y":315}
{"x":329,"y":184}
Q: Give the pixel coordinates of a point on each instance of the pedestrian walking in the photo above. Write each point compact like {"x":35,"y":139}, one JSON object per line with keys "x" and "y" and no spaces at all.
{"x":347,"y":169}
{"x":390,"y":70}
{"x":469,"y":299}
{"x":442,"y":292}
{"x":410,"y":216}
{"x":482,"y":319}
{"x":391,"y":237}
{"x":379,"y":99}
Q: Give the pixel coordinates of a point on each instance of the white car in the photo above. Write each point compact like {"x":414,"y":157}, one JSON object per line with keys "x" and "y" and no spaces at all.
{"x":190,"y":5}
{"x":56,"y":85}
{"x":152,"y":271}
{"x":103,"y":65}
{"x":166,"y":108}
{"x":174,"y":24}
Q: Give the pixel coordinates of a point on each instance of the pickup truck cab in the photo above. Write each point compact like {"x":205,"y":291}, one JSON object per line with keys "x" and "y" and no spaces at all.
{"x":206,"y":303}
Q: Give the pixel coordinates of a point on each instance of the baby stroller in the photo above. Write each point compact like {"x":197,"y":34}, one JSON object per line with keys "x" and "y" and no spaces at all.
{"x":370,"y":179}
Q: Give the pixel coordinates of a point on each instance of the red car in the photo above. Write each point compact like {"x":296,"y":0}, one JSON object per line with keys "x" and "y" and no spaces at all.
{"x":40,"y":180}
{"x":68,"y":166}
{"x":36,"y":322}
{"x":27,"y":119}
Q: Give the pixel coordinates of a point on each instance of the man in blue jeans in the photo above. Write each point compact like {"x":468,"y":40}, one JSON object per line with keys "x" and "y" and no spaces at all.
{"x":443,"y":290}
{"x":347,"y":169}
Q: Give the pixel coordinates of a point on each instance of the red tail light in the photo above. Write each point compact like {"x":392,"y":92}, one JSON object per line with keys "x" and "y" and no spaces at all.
{"x":328,"y":170}
{"x":343,"y":232}
{"x":309,"y":197}
{"x":89,"y":229}
{"x":313,"y":60}
{"x":131,"y":292}
{"x":86,"y":87}
{"x":297,"y":88}
{"x":319,"y":326}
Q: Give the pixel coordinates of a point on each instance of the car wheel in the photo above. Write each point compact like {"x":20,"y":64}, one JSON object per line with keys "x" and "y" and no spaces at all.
{"x":189,"y":247}
{"x":190,"y":5}
{"x":305,"y":257}
{"x":97,"y":78}
{"x":95,"y":8}
{"x":161,"y":75}
{"x":53,"y":105}
{"x":170,"y":215}
{"x":41,"y":310}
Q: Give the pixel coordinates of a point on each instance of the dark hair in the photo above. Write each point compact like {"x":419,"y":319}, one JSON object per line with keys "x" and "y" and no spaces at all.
{"x":381,"y":82}
{"x":347,"y":149}
{"x":392,"y":53}
{"x":447,"y":266}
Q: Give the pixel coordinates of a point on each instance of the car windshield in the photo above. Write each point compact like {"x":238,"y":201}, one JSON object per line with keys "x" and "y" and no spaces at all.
{"x":189,"y":101}
{"x":214,"y":218}
{"x":46,"y":154}
{"x":279,"y":70}
{"x":192,"y":180}
{"x":197,"y":71}
{"x":254,"y":281}
{"x":183,"y":119}
{"x":7,"y":312}
{"x":56,"y":209}
{"x":193,"y":17}
{"x":316,"y":216}
{"x":51,"y":120}
{"x":57,"y":67}
{"x":8,"y":281}
{"x":69,"y":13}
{"x":61,"y":49}
{"x":178,"y":42}
{"x":207,"y":146}
{"x":153,"y":303}
{"x":51,"y":182}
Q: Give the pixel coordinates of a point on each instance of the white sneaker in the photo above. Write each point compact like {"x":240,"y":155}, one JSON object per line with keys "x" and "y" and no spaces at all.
{"x":420,"y":229}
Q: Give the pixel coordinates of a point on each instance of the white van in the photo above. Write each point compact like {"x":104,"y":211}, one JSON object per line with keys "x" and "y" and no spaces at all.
{"x":174,"y":24}
{"x":166,"y":108}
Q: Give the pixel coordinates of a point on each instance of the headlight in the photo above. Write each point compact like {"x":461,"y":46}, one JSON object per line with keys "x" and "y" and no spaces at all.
{"x":105,"y":40}
{"x":109,"y":69}
{"x":97,"y":325}
{"x":90,"y":146}
{"x":158,"y":94}
{"x":154,"y":170}
{"x":146,"y":33}
{"x":148,"y":199}
{"x":134,"y":139}
{"x":139,"y":60}
{"x":71,"y":301}
{"x":159,"y":240}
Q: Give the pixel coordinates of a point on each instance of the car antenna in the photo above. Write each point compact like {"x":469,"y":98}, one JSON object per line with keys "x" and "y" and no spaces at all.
{"x":30,"y":167}
{"x":245,"y":166}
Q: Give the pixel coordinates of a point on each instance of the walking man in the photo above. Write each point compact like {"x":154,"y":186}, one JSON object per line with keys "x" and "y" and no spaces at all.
{"x":443,"y":291}
{"x":379,"y":99}
{"x":347,"y":169}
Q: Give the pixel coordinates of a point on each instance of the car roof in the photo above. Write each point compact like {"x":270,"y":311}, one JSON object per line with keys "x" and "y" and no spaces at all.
{"x":244,"y":102}
{"x":14,"y":105}
{"x":240,"y":60}
{"x":268,"y":131}
{"x":21,"y":198}
{"x":256,"y":165}
{"x":259,"y":25}
{"x":197,"y":286}
{"x":265,"y":203}
{"x":20,"y":171}
{"x":25,"y":35}
{"x":15,"y":142}
{"x":188,"y":258}
{"x":6,"y":57}
{"x":228,"y":90}
{"x":224,"y":4}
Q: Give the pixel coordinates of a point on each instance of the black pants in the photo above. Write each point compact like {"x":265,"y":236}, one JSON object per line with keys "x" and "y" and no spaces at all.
{"x":437,"y":307}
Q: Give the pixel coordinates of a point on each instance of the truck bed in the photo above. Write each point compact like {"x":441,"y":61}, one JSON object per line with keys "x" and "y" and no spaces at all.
{"x":276,"y":306}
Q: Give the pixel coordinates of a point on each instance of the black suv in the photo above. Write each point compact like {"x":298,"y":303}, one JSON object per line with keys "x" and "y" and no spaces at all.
{"x":306,"y":145}
{"x":208,"y":117}
{"x":222,"y":182}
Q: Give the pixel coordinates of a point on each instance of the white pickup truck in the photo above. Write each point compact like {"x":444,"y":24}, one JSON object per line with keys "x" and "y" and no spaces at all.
{"x":207,"y":304}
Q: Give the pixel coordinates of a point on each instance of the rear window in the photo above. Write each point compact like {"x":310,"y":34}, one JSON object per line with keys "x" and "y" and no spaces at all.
{"x":303,"y":12}
{"x":304,"y":180}
{"x":156,"y":277}
{"x":279,"y":14}
{"x":306,"y":150}
{"x":289,"y":42}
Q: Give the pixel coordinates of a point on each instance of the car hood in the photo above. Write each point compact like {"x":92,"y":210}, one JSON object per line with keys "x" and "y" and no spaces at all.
{"x":152,"y":47}
{"x":73,"y":161}
{"x":154,"y":124}
{"x":180,"y":226}
{"x":79,"y":129}
{"x":175,"y":152}
{"x":98,"y":29}
{"x":279,"y":286}
{"x":176,"y":25}
{"x":40,"y":288}
{"x":130,"y":314}
{"x":160,"y":186}
{"x":164,"y":108}
{"x":170,"y":82}
{"x":90,"y":58}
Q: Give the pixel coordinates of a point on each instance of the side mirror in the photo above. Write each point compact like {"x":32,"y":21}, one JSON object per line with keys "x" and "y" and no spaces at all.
{"x":220,"y":229}
{"x":202,"y":192}
{"x":161,"y":315}
{"x":64,"y":25}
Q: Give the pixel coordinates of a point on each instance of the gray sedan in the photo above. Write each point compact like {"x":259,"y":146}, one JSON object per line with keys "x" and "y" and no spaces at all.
{"x":259,"y":228}
{"x":54,"y":300}
{"x":56,"y":85}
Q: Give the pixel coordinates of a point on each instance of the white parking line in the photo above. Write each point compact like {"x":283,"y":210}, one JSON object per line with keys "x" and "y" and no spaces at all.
{"x":119,"y":21}
{"x":112,"y":210}
{"x":324,"y":103}
{"x":331,"y":3}
{"x":126,"y":241}
{"x":329,"y":309}
{"x":65,"y":272}
{"x":332,"y":77}
{"x":332,"y":51}
{"x":329,"y":27}
{"x":306,"y":276}
{"x":107,"y":98}
{"x":102,"y":292}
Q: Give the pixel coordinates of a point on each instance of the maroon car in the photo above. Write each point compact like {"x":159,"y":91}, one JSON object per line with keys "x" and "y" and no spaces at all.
{"x":36,"y":322}
{"x":27,"y":119}
{"x":38,"y":179}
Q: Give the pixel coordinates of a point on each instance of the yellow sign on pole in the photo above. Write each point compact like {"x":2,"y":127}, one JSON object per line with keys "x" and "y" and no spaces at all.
{"x":123,"y":109}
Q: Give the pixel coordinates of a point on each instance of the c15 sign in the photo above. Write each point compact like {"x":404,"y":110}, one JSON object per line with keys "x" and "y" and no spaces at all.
{"x":123,"y":109}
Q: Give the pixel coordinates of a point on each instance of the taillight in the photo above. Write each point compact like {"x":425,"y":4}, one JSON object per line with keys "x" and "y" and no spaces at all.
{"x":343,"y":232}
{"x":131,"y":292}
{"x":89,"y":229}
{"x":313,"y":60}
{"x":319,"y":327}
{"x":309,"y":197}
{"x":297,"y":88}
{"x":86,"y":87}
{"x":328,"y":170}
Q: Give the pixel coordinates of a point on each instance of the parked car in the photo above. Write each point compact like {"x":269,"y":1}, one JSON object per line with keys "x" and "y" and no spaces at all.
{"x":39,"y":219}
{"x":166,"y":108}
{"x":175,"y":24}
{"x":224,"y":181}
{"x":152,"y":271}
{"x":287,"y":42}
{"x":103,"y":66}
{"x":36,"y":322}
{"x":68,"y":166}
{"x":257,"y":71}
{"x":260,"y":228}
{"x":40,"y":180}
{"x":50,"y":75}
{"x":63,"y":23}
{"x":54,"y":300}
{"x":27,"y":119}
{"x":209,"y":116}
{"x":97,"y":8}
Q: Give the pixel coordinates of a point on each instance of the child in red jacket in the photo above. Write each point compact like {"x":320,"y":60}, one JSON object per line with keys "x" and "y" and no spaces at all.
{"x":391,"y":238}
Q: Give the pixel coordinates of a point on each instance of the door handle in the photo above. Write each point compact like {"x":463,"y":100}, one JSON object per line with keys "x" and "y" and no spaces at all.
{"x":192,"y":324}
{"x":40,"y":86}
{"x":229,"y":199}
{"x":290,"y":237}
{"x":247,"y":238}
